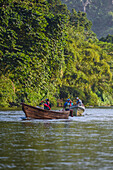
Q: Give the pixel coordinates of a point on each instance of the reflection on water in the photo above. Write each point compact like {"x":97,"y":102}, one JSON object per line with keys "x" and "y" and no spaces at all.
{"x":77,"y":143}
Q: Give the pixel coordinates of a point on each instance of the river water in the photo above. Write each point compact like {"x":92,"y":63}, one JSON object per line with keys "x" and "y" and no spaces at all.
{"x":78,"y":143}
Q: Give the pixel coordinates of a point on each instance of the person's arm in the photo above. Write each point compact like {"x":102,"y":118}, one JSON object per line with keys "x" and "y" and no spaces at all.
{"x":47,"y":106}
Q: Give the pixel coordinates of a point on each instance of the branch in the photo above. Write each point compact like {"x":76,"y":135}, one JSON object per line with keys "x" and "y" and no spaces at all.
{"x":85,"y":4}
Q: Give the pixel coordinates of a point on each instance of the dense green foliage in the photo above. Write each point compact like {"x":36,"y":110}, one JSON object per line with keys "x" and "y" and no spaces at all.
{"x":108,"y":39}
{"x":48,"y":51}
{"x":100,"y":12}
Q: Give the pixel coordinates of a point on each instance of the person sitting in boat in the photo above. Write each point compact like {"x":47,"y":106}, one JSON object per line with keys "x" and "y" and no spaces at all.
{"x":41,"y":104}
{"x":67,"y":106}
{"x":47,"y":105}
{"x":79,"y":102}
{"x":71,"y":103}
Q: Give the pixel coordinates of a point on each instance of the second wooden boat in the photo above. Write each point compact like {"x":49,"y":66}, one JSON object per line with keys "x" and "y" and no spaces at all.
{"x":78,"y":110}
{"x":40,"y":113}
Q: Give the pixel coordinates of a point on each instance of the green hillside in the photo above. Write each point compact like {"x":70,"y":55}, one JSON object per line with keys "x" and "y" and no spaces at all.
{"x":46,"y":51}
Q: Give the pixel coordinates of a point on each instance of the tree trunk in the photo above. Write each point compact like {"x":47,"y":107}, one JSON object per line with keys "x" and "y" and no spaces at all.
{"x":85,"y":4}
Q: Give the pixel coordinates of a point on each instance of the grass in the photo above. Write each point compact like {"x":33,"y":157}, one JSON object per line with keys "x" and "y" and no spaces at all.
{"x":14,"y":108}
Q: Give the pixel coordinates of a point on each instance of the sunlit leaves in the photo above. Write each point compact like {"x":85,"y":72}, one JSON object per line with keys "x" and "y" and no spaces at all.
{"x":46,"y":50}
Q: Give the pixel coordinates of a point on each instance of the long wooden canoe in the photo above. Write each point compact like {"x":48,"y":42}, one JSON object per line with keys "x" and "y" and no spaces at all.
{"x":40,"y":113}
{"x":78,"y":110}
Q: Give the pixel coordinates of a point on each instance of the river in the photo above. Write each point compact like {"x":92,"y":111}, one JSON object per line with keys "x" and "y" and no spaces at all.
{"x":78,"y":143}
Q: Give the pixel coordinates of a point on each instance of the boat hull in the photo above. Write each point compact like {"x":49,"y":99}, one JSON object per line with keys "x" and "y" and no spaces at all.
{"x":78,"y":110}
{"x":40,"y":113}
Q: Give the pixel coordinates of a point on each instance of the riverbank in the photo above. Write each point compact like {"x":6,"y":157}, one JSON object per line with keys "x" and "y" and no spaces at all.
{"x":15,"y":108}
{"x":100,"y":107}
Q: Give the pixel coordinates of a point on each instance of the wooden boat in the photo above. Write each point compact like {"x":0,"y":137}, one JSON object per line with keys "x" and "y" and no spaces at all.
{"x":78,"y":110}
{"x":40,"y":113}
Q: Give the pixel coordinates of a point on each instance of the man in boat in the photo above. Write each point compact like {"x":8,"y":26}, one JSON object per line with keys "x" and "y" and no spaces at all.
{"x":67,"y":106}
{"x":71,"y":103}
{"x":41,"y":104}
{"x":79,"y":102}
{"x":47,"y":105}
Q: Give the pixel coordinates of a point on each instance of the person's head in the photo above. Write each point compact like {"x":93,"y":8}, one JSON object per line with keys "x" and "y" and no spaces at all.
{"x":47,"y":99}
{"x":77,"y":98}
{"x":68,"y":100}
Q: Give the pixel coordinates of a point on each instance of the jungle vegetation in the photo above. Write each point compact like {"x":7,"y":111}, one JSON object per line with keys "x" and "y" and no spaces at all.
{"x":46,"y":51}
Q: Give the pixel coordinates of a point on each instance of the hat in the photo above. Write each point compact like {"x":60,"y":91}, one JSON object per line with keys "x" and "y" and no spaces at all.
{"x":68,"y":99}
{"x":47,"y":99}
{"x":77,"y":98}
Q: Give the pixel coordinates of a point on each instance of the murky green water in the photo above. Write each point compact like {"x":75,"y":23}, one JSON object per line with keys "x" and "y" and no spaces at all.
{"x":77,"y":143}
